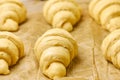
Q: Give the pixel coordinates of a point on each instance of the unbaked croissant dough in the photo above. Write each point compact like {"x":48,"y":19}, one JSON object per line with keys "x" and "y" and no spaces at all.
{"x":54,"y":51}
{"x":12,"y":13}
{"x":111,"y":47}
{"x":62,"y":13}
{"x":11,"y":50}
{"x":106,"y":13}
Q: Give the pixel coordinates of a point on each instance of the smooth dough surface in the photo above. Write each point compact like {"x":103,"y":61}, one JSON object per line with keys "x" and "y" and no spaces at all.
{"x":111,"y":47}
{"x":106,"y":13}
{"x":11,"y":50}
{"x":54,"y":50}
{"x":13,"y":12}
{"x":62,"y":13}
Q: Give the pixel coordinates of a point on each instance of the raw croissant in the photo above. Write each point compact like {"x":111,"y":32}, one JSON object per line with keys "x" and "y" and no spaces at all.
{"x":111,"y":47}
{"x":62,"y":13}
{"x":54,"y":51}
{"x":12,"y":13}
{"x":11,"y":49}
{"x":106,"y":13}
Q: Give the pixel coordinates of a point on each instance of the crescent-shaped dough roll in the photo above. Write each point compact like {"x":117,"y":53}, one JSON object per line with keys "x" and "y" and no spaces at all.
{"x":62,"y":13}
{"x":12,"y":13}
{"x":111,"y":47}
{"x":54,"y":50}
{"x":106,"y":13}
{"x":11,"y":50}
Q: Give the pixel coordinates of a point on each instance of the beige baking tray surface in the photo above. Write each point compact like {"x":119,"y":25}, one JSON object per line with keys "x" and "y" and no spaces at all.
{"x":88,"y":65}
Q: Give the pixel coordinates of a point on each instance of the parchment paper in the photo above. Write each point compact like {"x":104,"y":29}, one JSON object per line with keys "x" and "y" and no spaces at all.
{"x":88,"y":65}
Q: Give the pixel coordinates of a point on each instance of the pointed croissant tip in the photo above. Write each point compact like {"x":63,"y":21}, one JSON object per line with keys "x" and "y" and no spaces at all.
{"x":55,"y":70}
{"x":68,"y":26}
{"x":4,"y":69}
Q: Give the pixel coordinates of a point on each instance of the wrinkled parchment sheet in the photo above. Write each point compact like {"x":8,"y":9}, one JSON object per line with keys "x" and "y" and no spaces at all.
{"x":88,"y":65}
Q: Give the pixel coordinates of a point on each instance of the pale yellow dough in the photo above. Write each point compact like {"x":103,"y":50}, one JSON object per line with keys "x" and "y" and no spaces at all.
{"x":106,"y":13}
{"x":111,"y":47}
{"x":62,"y":13}
{"x":54,"y":50}
{"x":11,"y":50}
{"x":12,"y":13}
